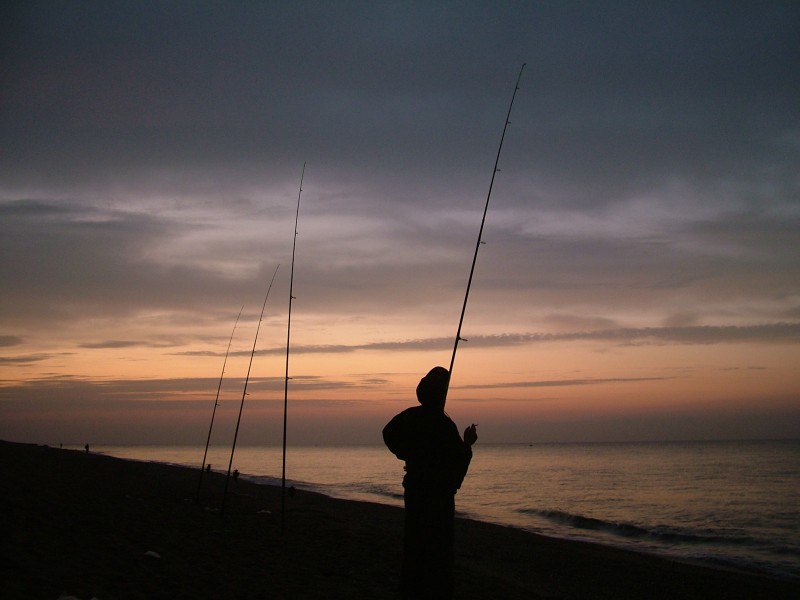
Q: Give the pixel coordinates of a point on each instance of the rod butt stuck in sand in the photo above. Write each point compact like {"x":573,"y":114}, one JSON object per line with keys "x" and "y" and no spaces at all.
{"x":244,"y":393}
{"x":216,"y":404}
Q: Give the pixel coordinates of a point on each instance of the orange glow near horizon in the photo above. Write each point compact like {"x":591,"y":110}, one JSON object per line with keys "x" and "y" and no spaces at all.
{"x":503,"y":389}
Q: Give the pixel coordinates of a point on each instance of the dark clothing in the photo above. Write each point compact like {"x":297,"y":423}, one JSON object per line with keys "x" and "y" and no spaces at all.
{"x":436,"y":457}
{"x":437,"y":460}
{"x":427,"y":571}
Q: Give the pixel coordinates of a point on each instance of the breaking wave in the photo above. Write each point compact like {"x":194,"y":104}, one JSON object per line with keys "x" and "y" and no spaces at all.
{"x":661,"y":533}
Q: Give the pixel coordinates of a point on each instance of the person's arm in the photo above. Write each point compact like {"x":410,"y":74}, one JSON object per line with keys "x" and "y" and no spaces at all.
{"x":395,"y":436}
{"x":464,"y":454}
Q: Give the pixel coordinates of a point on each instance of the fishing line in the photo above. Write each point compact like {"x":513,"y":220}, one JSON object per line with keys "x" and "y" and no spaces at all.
{"x":480,"y":232}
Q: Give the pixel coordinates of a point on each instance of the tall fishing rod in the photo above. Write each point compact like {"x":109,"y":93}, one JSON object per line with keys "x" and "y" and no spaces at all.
{"x":480,"y":232}
{"x":244,"y":393}
{"x":288,"y":337}
{"x":216,"y":404}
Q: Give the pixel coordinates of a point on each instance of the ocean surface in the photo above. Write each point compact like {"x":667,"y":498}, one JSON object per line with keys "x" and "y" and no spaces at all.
{"x":726,"y":503}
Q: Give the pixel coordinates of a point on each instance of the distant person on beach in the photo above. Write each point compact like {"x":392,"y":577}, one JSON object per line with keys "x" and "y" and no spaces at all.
{"x":86,"y":447}
{"x":436,"y":460}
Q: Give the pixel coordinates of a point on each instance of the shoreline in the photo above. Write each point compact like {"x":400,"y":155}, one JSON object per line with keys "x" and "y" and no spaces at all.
{"x":89,"y":524}
{"x":681,"y":537}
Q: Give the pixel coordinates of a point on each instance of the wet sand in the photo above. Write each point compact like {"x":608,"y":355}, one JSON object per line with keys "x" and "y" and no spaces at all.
{"x":89,"y":526}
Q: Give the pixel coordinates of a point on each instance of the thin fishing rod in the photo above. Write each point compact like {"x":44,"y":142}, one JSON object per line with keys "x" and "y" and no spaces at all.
{"x":216,"y":404}
{"x":244,"y":393}
{"x":480,"y":232}
{"x":288,"y":337}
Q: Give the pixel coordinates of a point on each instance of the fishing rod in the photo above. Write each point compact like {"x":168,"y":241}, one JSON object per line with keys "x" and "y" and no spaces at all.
{"x":216,"y":404}
{"x":480,"y":232}
{"x":244,"y":393}
{"x":288,"y":337}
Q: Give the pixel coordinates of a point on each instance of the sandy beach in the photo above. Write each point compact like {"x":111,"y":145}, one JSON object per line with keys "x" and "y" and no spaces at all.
{"x":94,"y":526}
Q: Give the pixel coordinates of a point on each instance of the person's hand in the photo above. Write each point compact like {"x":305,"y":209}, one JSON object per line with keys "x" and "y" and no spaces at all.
{"x":471,"y":435}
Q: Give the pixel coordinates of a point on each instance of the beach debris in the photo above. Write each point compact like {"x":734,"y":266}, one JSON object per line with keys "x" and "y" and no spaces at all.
{"x":152,"y":554}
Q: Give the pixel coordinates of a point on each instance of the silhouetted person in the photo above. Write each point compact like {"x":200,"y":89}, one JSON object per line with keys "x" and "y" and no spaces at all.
{"x":437,"y":460}
{"x":86,"y":447}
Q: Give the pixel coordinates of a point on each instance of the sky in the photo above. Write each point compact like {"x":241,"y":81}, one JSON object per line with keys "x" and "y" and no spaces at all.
{"x":640,"y":272}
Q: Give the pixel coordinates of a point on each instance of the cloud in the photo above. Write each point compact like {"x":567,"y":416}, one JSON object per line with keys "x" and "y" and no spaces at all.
{"x":623,"y":168}
{"x":113,"y":344}
{"x":772,"y":332}
{"x":562,"y":382}
{"x":647,"y":193}
{"x":24,"y":359}
{"x":384,"y":90}
{"x":788,"y":333}
{"x":67,"y":389}
{"x":10,"y":340}
{"x":72,"y":259}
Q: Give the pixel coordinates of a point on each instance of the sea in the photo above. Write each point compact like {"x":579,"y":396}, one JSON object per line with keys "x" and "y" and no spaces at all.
{"x":727,"y":503}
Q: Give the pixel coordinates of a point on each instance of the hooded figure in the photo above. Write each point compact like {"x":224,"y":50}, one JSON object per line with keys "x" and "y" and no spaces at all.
{"x":436,"y":460}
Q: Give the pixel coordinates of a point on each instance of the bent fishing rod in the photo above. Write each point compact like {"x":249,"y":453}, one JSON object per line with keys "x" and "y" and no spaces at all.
{"x":216,"y":404}
{"x":480,"y":232}
{"x":244,"y":393}
{"x":288,"y":338}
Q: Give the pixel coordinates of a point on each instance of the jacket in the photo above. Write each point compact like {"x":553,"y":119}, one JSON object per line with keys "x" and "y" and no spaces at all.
{"x":428,"y":441}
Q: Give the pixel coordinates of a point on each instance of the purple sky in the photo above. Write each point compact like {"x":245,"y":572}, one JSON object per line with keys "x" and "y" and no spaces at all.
{"x":647,"y":208}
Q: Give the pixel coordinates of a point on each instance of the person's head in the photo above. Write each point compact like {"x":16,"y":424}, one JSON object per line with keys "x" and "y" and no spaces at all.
{"x":432,"y":389}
